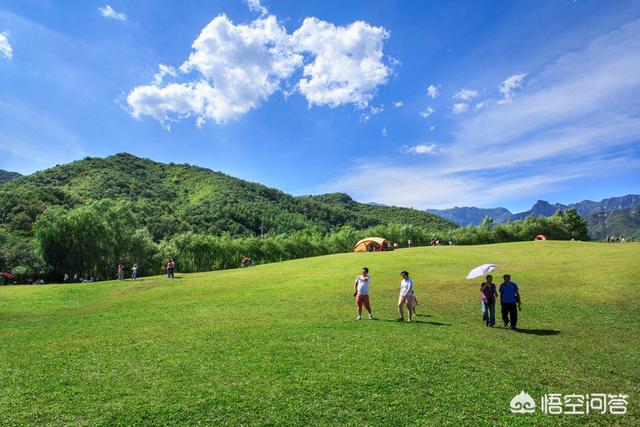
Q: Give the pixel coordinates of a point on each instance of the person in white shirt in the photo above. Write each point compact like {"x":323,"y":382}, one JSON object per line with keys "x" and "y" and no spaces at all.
{"x":361,"y":293}
{"x":406,"y":296}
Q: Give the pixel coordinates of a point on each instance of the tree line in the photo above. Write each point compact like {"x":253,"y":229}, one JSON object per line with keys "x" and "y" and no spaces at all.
{"x":92,"y":239}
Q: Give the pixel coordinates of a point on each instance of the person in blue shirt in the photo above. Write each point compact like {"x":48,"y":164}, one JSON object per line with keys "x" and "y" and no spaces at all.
{"x":510,"y":301}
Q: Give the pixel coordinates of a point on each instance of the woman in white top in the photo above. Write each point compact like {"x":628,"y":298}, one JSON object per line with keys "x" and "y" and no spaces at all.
{"x":361,"y":293}
{"x":406,"y":296}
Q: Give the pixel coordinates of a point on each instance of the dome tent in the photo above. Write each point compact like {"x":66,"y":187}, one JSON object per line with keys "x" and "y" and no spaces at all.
{"x":373,"y":244}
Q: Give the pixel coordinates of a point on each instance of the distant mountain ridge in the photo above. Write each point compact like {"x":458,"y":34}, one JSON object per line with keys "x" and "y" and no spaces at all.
{"x":6,"y":176}
{"x":473,"y":216}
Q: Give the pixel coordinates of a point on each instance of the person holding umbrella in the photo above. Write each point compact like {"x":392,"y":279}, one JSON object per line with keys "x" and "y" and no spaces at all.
{"x":361,"y":293}
{"x":488,"y":289}
{"x":510,"y":301}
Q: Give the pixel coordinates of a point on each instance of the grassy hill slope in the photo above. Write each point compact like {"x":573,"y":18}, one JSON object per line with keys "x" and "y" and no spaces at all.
{"x":278,"y":343}
{"x":171,"y":198}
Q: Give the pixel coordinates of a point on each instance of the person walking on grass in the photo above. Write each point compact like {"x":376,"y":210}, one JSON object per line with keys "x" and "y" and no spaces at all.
{"x":134,"y":272}
{"x":510,"y":301}
{"x":361,"y":293}
{"x":406,"y":296}
{"x":489,"y":294}
{"x":170,"y":268}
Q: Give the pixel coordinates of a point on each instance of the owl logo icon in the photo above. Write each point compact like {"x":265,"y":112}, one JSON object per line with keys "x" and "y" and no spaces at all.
{"x":522,"y":403}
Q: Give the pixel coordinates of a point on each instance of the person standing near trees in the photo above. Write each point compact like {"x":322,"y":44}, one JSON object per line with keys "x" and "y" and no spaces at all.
{"x":510,"y":301}
{"x":120,"y":271}
{"x":170,"y":268}
{"x":361,"y":293}
{"x":134,"y":272}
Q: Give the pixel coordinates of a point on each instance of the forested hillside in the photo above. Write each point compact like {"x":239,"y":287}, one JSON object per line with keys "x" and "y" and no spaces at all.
{"x":624,"y":222}
{"x":87,"y":216}
{"x":168,"y":199}
{"x":6,"y":176}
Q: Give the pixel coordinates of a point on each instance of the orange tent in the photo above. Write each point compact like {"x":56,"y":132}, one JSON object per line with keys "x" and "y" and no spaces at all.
{"x":373,"y":244}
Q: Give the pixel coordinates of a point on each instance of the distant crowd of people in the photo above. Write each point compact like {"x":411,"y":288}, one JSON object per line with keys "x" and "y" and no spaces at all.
{"x":616,"y":239}
{"x":508,"y":293}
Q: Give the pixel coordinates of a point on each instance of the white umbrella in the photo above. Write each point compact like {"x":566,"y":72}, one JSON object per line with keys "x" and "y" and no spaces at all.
{"x":481,"y":270}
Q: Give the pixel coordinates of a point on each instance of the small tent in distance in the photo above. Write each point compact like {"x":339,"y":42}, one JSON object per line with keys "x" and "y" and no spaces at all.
{"x":371,"y":244}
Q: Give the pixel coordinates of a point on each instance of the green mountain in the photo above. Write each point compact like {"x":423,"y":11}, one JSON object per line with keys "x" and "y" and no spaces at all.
{"x":6,"y":176}
{"x":624,"y":222}
{"x":171,"y":198}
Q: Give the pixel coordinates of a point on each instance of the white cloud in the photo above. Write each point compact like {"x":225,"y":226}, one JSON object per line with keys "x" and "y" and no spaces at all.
{"x":384,"y":132}
{"x":432,"y":127}
{"x":5,"y":46}
{"x":465,"y":95}
{"x":460,"y":108}
{"x":348,"y":62}
{"x":237,"y":68}
{"x":256,"y":6}
{"x":432,"y":91}
{"x":481,"y":105}
{"x":234,"y":68}
{"x":420,"y":149}
{"x":398,"y":104}
{"x":510,"y":85}
{"x":427,"y":112}
{"x":163,"y":71}
{"x":108,"y":12}
{"x":371,"y":111}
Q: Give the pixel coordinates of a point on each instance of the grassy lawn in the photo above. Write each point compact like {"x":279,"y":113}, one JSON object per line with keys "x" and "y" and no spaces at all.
{"x":279,"y":343}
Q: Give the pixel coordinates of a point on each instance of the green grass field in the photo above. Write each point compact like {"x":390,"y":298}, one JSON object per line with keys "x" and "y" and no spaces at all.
{"x":279,"y":344}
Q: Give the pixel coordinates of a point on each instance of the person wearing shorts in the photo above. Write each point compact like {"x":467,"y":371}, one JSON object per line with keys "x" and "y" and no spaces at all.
{"x":361,"y":293}
{"x":406,"y":296}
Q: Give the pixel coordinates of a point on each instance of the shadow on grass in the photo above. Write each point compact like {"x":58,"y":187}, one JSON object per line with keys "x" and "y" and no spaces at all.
{"x":423,"y":322}
{"x":540,"y":332}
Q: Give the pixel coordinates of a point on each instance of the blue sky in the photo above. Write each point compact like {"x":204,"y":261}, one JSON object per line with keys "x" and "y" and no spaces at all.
{"x":425,"y":104}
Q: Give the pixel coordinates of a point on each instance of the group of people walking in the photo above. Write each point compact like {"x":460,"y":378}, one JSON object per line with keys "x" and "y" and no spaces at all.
{"x":407,"y":295}
{"x":509,"y":295}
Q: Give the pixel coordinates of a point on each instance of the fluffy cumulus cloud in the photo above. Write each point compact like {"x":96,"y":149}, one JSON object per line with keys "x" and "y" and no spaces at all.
{"x":433,"y":91}
{"x":348,"y":62}
{"x":234,"y":68}
{"x":108,"y":12}
{"x":5,"y":47}
{"x":398,"y":104}
{"x":509,"y":86}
